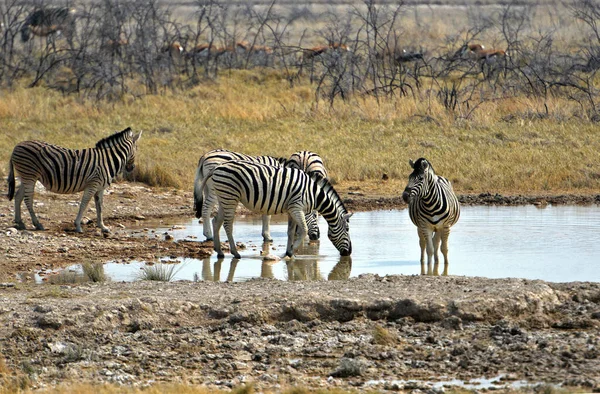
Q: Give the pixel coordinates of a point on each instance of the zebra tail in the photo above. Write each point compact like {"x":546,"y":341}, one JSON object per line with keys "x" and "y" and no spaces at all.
{"x":11,"y":181}
{"x":199,"y":185}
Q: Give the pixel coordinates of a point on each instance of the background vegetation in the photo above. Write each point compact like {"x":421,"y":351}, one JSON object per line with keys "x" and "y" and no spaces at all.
{"x":526,"y":124}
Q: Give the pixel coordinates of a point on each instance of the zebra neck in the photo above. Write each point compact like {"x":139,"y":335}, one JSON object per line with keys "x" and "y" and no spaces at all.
{"x":327,"y":201}
{"x":113,"y":155}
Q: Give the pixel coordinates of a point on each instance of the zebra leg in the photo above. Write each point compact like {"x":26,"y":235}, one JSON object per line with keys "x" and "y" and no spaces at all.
{"x":229,"y":231}
{"x":27,"y":194}
{"x":296,"y":223}
{"x":217,"y":223}
{"x":422,"y":245}
{"x":18,"y":200}
{"x":85,"y":200}
{"x":98,"y":197}
{"x":206,"y":271}
{"x":232,"y":267}
{"x":445,"y":234}
{"x":437,"y":236}
{"x":210,"y":200}
{"x":266,"y":231}
{"x":426,"y":242}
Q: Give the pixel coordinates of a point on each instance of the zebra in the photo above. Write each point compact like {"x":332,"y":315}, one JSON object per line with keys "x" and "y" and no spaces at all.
{"x":433,"y":208}
{"x":271,"y":190}
{"x":205,"y":199}
{"x":68,"y":171}
{"x":49,"y":20}
{"x":312,"y":164}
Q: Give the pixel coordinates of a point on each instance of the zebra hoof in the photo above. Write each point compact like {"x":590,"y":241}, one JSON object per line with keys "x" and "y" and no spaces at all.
{"x":20,"y":226}
{"x":105,"y":230}
{"x":39,"y":227}
{"x":267,"y":239}
{"x":220,"y":255}
{"x":208,"y":239}
{"x":237,"y":256}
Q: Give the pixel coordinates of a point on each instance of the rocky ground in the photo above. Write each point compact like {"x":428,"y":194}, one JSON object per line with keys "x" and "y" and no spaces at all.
{"x":391,"y":333}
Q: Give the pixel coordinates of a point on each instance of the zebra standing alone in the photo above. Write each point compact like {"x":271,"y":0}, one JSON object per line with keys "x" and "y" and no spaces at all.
{"x":49,"y":20}
{"x":271,"y":190}
{"x":205,"y":199}
{"x":433,"y":208}
{"x":68,"y":171}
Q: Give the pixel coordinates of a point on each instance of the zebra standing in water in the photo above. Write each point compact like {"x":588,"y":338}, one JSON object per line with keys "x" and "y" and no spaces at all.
{"x":68,"y":171}
{"x":205,"y":199}
{"x":49,"y":20}
{"x":271,"y":190}
{"x":433,"y":208}
{"x":312,"y":164}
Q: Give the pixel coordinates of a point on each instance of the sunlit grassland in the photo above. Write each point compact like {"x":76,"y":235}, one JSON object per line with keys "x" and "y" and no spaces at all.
{"x":257,"y":112}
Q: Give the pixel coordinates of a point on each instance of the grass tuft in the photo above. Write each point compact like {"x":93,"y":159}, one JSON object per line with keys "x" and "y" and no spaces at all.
{"x":94,"y":272}
{"x":152,"y":175}
{"x":159,"y":272}
{"x":381,"y":336}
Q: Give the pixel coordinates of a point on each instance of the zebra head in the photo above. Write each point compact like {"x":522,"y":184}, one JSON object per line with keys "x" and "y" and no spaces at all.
{"x":313,"y":226}
{"x":130,"y":164}
{"x":338,"y":234}
{"x":418,"y":180}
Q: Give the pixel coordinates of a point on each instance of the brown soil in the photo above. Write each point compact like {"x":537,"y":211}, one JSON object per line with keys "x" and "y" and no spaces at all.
{"x":365,"y":332}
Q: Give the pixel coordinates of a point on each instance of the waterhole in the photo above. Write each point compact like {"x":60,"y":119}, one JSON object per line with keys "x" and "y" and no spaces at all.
{"x":554,"y":243}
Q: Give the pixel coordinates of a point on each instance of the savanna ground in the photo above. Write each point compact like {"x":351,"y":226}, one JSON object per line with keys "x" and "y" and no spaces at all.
{"x":495,"y":140}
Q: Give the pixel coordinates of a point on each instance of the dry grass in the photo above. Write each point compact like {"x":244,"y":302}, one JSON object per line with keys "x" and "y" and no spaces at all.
{"x":381,"y":336}
{"x":258,"y":113}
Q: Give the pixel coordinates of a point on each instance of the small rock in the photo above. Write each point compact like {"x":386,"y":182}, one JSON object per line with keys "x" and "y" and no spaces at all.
{"x":63,"y":249}
{"x":139,"y":217}
{"x":49,"y":320}
{"x":11,"y":231}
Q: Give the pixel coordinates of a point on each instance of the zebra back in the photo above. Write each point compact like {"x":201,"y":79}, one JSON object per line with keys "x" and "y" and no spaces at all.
{"x":64,"y":170}
{"x":210,"y":160}
{"x":430,"y":197}
{"x":309,"y":162}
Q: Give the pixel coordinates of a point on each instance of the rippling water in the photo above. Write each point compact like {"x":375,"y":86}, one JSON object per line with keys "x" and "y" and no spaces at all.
{"x":555,"y":243}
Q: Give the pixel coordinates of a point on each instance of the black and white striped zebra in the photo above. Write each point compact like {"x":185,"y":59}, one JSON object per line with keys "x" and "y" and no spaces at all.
{"x":312,"y":164}
{"x":309,"y":162}
{"x":67,"y":171}
{"x":205,"y":200}
{"x":272,"y":190}
{"x":433,"y":208}
{"x":49,"y":20}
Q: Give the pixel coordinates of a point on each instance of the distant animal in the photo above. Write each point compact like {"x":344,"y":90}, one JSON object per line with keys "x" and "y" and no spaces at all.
{"x":433,"y":208}
{"x":68,"y":171}
{"x":174,"y":50}
{"x":311,"y":53}
{"x":49,"y":20}
{"x":490,"y":59}
{"x":205,"y":199}
{"x":259,"y":49}
{"x":406,"y":57}
{"x":271,"y":190}
{"x":116,"y":46}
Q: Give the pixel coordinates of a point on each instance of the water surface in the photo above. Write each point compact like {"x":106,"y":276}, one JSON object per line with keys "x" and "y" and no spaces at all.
{"x":555,"y":243}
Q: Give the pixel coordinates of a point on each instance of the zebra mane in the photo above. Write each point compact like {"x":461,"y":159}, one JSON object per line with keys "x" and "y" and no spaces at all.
{"x":330,"y":191}
{"x":116,"y":137}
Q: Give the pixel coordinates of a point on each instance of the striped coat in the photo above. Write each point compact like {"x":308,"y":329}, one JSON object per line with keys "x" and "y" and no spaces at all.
{"x":67,"y":171}
{"x":433,"y":208}
{"x":273,"y":190}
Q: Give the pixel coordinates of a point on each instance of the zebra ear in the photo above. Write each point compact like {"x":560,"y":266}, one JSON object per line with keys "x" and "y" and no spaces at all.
{"x":411,"y":163}
{"x":137,"y":137}
{"x":348,"y":216}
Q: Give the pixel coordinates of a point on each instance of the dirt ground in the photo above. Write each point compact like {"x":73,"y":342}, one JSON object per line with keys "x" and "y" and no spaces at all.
{"x":386,"y":333}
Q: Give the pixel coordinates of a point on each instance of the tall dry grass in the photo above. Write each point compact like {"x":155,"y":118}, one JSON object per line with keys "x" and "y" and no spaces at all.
{"x":503,"y":146}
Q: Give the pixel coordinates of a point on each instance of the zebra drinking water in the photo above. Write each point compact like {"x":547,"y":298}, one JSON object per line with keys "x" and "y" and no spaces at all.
{"x":205,"y":199}
{"x":68,"y":171}
{"x":433,"y":208}
{"x":271,"y":190}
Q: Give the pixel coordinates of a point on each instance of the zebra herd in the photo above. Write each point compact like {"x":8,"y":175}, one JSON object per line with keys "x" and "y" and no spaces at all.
{"x":298,"y":186}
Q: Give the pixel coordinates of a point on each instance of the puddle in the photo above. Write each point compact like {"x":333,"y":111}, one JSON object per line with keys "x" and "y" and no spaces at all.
{"x":556,"y":243}
{"x":496,"y":383}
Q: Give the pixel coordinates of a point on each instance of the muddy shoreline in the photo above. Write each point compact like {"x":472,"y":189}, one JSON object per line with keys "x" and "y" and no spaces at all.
{"x":369,"y":332}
